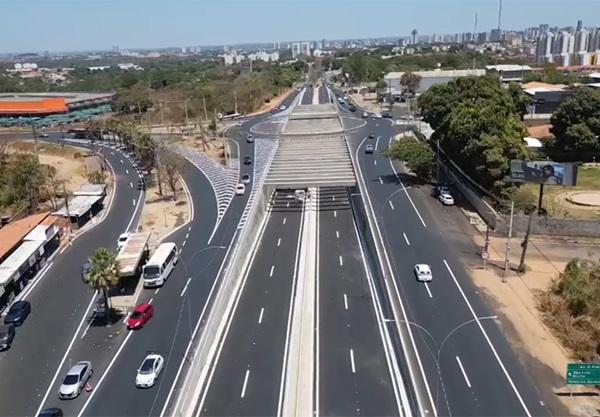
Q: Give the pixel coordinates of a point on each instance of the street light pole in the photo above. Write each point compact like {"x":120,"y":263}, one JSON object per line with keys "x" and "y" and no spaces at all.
{"x":437,"y":165}
{"x":507,"y":256}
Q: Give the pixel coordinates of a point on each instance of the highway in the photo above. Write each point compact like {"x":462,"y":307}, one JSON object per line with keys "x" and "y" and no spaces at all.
{"x":247,"y":379}
{"x":469,"y":366}
{"x":59,"y":300}
{"x":352,"y":373}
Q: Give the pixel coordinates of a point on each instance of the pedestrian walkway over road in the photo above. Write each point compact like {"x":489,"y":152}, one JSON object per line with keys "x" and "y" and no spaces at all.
{"x":311,"y":161}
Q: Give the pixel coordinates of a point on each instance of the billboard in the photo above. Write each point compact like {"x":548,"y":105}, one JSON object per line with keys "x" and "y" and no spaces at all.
{"x":544,"y":172}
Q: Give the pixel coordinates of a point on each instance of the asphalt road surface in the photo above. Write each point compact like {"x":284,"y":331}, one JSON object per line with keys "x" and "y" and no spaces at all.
{"x":469,"y":365}
{"x":247,"y":379}
{"x":59,"y":300}
{"x":352,"y":376}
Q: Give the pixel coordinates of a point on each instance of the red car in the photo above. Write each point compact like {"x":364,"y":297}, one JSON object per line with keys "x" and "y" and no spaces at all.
{"x":140,"y":316}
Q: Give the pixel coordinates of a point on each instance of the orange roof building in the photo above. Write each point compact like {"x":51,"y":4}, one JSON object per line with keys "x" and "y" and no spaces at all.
{"x":34,"y":107}
{"x":13,"y":233}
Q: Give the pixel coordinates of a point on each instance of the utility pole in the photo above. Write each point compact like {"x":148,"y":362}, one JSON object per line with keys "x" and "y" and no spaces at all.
{"x":35,"y":138}
{"x":187,"y":119}
{"x":205,"y":113}
{"x":62,"y":137}
{"x":162,"y":115}
{"x":437,"y":165}
{"x":507,"y":257}
{"x":235,"y":107}
{"x":67,"y":208}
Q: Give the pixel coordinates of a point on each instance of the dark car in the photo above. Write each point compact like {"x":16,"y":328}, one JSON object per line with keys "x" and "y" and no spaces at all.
{"x":386,"y":115}
{"x":51,"y":412}
{"x":7,"y":334}
{"x":85,"y":268}
{"x":369,"y":149}
{"x":141,"y":185}
{"x":247,"y":160}
{"x":18,"y":313}
{"x":352,"y":108}
{"x":371,"y":135}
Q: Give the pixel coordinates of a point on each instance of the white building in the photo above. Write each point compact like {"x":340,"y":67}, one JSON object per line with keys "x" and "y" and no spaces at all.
{"x":264,"y":56}
{"x":129,"y":67}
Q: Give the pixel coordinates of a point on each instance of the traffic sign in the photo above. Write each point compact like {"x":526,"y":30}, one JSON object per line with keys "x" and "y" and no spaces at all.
{"x":583,"y":374}
{"x":485,"y":255}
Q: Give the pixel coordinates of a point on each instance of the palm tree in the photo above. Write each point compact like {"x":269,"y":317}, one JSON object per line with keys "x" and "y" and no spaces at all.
{"x":145,"y":148}
{"x":103,"y":274}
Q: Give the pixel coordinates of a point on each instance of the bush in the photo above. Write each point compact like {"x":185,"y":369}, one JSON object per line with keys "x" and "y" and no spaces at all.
{"x":572,"y":309}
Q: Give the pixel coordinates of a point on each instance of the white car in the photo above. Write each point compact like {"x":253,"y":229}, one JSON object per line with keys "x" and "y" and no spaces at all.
{"x":282,"y":107}
{"x":75,"y":380}
{"x":240,"y":189}
{"x":446,"y":199}
{"x":245,"y":179}
{"x":423,"y":273}
{"x":122,"y":239}
{"x":149,"y":370}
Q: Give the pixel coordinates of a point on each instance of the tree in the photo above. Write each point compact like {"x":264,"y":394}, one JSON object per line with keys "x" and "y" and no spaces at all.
{"x":145,"y":148}
{"x":576,"y":127}
{"x":25,"y":181}
{"x":478,"y":126}
{"x":417,"y":155}
{"x":171,"y":166}
{"x":104,"y":272}
{"x":521,"y":101}
{"x":410,"y":81}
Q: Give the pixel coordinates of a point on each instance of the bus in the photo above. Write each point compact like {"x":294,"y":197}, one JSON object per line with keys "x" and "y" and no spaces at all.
{"x":157,"y":269}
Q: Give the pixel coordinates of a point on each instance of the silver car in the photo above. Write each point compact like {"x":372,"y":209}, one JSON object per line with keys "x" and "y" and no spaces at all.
{"x":75,"y":380}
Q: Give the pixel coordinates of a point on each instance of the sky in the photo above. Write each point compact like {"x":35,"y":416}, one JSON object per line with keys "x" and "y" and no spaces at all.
{"x":75,"y":25}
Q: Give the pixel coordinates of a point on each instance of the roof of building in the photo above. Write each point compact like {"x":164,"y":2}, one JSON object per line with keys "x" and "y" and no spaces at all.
{"x":594,"y":85}
{"x":538,"y":87}
{"x":90,"y":190}
{"x":9,"y":269}
{"x":13,"y":233}
{"x":69,"y":98}
{"x":539,"y":132}
{"x":508,"y":67}
{"x":42,"y":106}
{"x":79,"y":205}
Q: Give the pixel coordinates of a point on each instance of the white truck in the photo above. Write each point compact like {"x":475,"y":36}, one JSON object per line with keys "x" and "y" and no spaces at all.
{"x":132,"y":254}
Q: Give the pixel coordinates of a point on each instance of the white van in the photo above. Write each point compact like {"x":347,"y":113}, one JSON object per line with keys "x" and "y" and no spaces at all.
{"x":157,"y":269}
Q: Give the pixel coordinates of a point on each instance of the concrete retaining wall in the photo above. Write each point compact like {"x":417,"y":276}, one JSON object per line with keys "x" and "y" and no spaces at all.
{"x":541,"y":225}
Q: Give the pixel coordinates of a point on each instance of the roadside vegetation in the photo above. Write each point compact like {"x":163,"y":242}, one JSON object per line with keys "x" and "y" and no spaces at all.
{"x":103,"y":274}
{"x":479,"y":126}
{"x":417,"y":155}
{"x":571,"y":308}
{"x":172,"y":87}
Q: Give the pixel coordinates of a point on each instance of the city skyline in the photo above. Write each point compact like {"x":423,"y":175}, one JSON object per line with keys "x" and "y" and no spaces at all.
{"x":186,"y":23}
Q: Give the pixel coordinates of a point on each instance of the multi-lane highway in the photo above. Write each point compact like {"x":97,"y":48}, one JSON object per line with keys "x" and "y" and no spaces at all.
{"x":468,"y":364}
{"x":59,"y":299}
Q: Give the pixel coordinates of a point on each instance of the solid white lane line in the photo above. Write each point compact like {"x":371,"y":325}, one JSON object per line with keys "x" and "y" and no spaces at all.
{"x":284,"y":220}
{"x":187,"y":283}
{"x":380,"y":181}
{"x":406,"y":239}
{"x":489,"y":342}
{"x":121,"y":160}
{"x":341,"y":261}
{"x":157,"y":290}
{"x":352,"y":365}
{"x":345,"y":302}
{"x":428,"y":290}
{"x":337,"y":234}
{"x":374,"y":161}
{"x":89,"y":325}
{"x":131,"y":184}
{"x":245,"y":383}
{"x":278,"y":242}
{"x":272,"y":269}
{"x":127,"y":171}
{"x":187,"y":235}
{"x":133,"y":201}
{"x":183,"y":244}
{"x":260,"y":316}
{"x":377,"y":142}
{"x":391,"y":205}
{"x":64,"y":358}
{"x":334,"y":213}
{"x":460,"y":365}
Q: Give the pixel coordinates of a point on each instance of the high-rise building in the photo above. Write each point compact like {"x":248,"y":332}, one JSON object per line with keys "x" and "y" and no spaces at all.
{"x":496,"y":35}
{"x":305,"y":48}
{"x":296,"y":49}
{"x":544,"y":48}
{"x":579,"y":25}
{"x":582,"y":38}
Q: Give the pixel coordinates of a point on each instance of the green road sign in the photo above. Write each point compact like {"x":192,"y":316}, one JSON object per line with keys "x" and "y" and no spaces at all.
{"x":583,"y":374}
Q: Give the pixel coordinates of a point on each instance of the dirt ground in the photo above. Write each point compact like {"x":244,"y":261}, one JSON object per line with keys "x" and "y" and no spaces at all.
{"x":369,"y":105}
{"x":517,"y":300}
{"x":161,"y":214}
{"x":275,"y":102}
